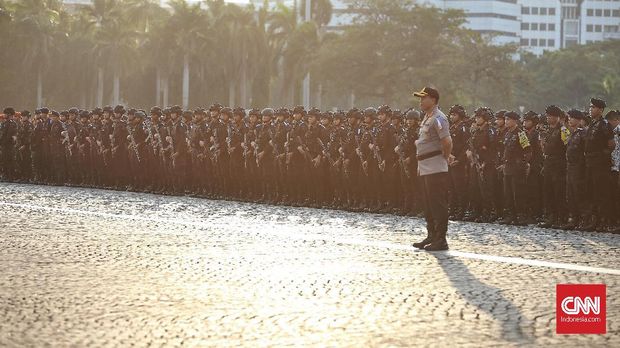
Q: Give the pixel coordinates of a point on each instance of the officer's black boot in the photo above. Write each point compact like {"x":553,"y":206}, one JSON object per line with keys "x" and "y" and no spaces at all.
{"x":548,"y":222}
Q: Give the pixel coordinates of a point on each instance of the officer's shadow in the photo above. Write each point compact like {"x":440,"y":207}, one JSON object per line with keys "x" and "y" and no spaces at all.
{"x":485,"y":297}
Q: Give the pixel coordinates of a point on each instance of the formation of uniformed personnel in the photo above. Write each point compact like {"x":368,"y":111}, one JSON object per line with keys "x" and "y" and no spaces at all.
{"x":557,"y":170}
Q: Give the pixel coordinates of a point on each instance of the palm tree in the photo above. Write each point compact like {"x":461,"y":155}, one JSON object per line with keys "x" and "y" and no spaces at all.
{"x":99,"y":14}
{"x":37,"y":25}
{"x":116,"y":42}
{"x":188,"y":22}
{"x":159,"y":42}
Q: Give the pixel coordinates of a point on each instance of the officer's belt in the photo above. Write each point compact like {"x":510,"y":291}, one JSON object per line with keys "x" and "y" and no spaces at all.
{"x":429,"y":155}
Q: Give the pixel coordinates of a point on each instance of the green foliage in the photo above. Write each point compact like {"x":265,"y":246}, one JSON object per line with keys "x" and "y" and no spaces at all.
{"x":258,"y":57}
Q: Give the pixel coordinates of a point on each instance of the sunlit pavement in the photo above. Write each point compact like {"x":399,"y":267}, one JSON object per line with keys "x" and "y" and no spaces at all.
{"x":83,"y":267}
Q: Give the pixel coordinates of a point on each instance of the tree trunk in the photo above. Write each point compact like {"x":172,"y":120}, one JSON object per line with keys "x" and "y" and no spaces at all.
{"x":116,"y":90}
{"x":352,"y":100}
{"x":39,"y":88}
{"x":231,"y":93}
{"x":319,"y":95}
{"x":99,"y":87}
{"x":185,"y":81}
{"x":165,"y":83}
{"x":158,"y":87}
{"x":243,"y":93}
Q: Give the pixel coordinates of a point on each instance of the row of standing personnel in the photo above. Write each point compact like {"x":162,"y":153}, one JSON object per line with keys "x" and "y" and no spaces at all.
{"x":558,"y":170}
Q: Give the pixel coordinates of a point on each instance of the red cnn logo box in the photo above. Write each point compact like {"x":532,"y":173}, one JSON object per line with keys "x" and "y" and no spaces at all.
{"x":581,"y":309}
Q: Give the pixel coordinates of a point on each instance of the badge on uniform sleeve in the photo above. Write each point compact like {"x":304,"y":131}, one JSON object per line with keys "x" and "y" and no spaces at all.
{"x":564,"y":134}
{"x":439,"y":126}
{"x":523,"y":139}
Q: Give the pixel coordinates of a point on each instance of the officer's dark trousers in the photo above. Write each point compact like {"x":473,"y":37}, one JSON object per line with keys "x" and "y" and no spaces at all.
{"x":597,"y":188}
{"x":458,"y":187}
{"x":575,"y":185}
{"x":435,"y":188}
{"x":555,"y":189}
{"x":514,"y":199}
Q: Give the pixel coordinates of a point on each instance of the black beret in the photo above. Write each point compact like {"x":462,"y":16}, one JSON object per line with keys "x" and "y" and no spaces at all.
{"x":55,"y":113}
{"x":412,"y":115}
{"x":84,"y":114}
{"x":215,"y":107}
{"x":188,"y":114}
{"x":140,"y":114}
{"x":45,"y":111}
{"x":370,"y":112}
{"x":553,"y":110}
{"x":314,"y":112}
{"x":512,"y":115}
{"x":531,"y":116}
{"x":353,"y":112}
{"x":226,"y":111}
{"x":501,"y":114}
{"x":299,"y":110}
{"x":156,"y":110}
{"x":483,"y":112}
{"x":97,"y":111}
{"x":9,"y":111}
{"x":119,"y":109}
{"x":64,"y":113}
{"x":25,"y":113}
{"x":340,"y":115}
{"x":131,"y":111}
{"x":384,"y":109}
{"x":599,"y":103}
{"x":282,"y":112}
{"x":574,"y":113}
{"x":108,"y":108}
{"x":73,"y":111}
{"x":176,"y":110}
{"x":239,"y":111}
{"x":612,"y":114}
{"x":254,"y":112}
{"x":458,"y":110}
{"x":267,"y":112}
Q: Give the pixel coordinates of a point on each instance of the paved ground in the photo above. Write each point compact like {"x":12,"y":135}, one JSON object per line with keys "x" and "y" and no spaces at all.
{"x":81,"y":267}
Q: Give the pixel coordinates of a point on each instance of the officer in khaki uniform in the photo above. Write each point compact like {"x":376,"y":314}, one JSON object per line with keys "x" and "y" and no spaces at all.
{"x":434,"y":147}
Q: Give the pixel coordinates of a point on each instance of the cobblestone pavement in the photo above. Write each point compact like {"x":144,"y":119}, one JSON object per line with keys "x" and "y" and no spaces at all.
{"x":82,"y":267}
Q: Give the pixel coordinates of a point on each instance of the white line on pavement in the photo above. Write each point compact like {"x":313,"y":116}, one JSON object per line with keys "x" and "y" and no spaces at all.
{"x":349,"y":241}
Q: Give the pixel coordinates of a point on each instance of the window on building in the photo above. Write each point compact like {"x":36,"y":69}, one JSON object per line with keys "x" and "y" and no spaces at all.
{"x":598,"y":28}
{"x":524,"y":42}
{"x":590,"y":12}
{"x":534,"y":26}
{"x":552,"y":11}
{"x":570,"y":42}
{"x":551,"y":27}
{"x":616,"y":13}
{"x":543,"y":26}
{"x":525,"y":10}
{"x":551,"y":43}
{"x":525,"y":26}
{"x":542,"y":42}
{"x":589,"y":28}
{"x":534,"y":42}
{"x":543,"y":11}
{"x":534,"y":10}
{"x":610,"y":29}
{"x":599,"y":12}
{"x":607,"y":13}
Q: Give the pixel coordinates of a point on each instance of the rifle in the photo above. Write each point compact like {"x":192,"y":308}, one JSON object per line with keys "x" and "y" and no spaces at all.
{"x":305,"y":149}
{"x":402,"y":158}
{"x":326,"y":152}
{"x":245,"y":150}
{"x":67,"y":142}
{"x":375,"y":149}
{"x":134,"y":146}
{"x":360,"y":154}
